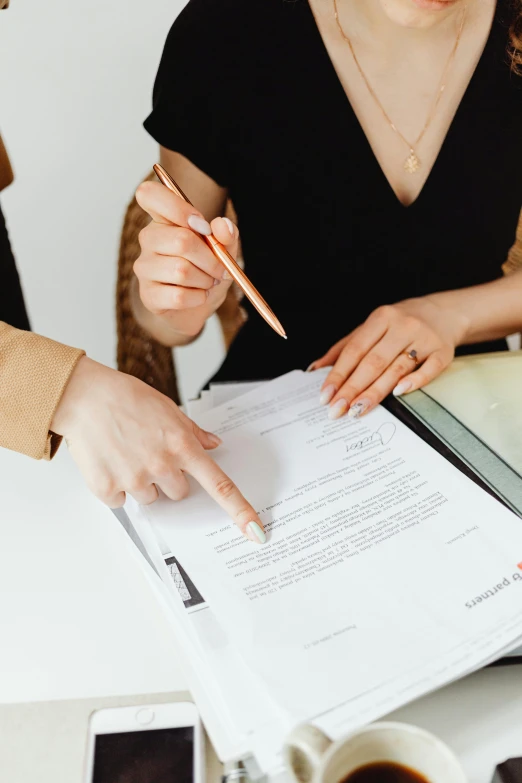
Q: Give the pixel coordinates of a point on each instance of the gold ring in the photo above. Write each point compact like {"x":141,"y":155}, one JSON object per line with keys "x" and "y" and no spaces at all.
{"x":412,"y":355}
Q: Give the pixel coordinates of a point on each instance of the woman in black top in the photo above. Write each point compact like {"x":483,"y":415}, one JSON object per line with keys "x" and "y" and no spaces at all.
{"x":306,"y":121}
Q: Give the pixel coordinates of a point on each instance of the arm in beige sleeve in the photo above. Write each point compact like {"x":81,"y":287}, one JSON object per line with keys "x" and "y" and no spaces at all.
{"x":34,"y":372}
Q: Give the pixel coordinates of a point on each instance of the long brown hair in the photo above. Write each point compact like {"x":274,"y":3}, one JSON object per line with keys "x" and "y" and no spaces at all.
{"x":515,"y":35}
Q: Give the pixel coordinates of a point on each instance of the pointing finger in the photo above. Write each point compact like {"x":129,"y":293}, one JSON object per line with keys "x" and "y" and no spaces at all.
{"x":223,"y":490}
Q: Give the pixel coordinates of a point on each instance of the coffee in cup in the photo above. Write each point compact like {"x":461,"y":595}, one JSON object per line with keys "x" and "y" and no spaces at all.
{"x":378,"y":753}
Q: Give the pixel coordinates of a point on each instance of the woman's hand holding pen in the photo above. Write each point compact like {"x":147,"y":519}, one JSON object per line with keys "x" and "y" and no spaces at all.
{"x":398,"y":348}
{"x":181,"y":282}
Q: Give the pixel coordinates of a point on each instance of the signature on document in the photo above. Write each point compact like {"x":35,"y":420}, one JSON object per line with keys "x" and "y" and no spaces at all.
{"x":382,"y":435}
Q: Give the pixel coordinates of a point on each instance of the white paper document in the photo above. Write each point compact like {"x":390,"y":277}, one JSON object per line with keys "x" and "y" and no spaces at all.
{"x":225,"y":392}
{"x":387,"y":572}
{"x":238,"y":715}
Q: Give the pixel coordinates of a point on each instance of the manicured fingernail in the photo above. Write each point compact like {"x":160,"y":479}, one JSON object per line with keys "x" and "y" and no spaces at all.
{"x":338,"y":410}
{"x":214,"y":440}
{"x":358,"y":408}
{"x":227,"y":275}
{"x":200,"y":225}
{"x":401,"y":387}
{"x":230,"y":226}
{"x":310,"y":367}
{"x":216,"y":281}
{"x":255,"y":533}
{"x":327,"y":394}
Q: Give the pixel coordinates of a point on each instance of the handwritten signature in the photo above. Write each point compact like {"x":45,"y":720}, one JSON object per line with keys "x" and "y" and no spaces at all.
{"x":383,"y":435}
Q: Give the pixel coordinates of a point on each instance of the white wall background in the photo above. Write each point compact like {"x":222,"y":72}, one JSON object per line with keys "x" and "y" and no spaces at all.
{"x":76,"y":82}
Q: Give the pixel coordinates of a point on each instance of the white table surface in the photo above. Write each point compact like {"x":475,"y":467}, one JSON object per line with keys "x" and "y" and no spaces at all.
{"x":78,"y":620}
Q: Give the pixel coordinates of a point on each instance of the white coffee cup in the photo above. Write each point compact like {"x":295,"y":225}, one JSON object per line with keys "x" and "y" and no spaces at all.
{"x":312,"y":757}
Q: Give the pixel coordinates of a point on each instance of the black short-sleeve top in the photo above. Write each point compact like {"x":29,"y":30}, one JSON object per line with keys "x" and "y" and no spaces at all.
{"x":247,"y":92}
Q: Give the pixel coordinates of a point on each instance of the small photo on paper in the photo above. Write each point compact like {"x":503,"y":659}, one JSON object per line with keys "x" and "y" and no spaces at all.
{"x":187,"y":590}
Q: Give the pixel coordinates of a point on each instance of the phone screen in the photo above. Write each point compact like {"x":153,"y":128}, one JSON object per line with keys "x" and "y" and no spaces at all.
{"x":153,"y":756}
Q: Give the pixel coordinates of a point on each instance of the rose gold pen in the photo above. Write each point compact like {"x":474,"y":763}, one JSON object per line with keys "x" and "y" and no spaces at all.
{"x":228,"y":262}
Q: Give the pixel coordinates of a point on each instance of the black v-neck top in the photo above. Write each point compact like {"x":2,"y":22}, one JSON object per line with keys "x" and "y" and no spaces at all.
{"x":246,"y":91}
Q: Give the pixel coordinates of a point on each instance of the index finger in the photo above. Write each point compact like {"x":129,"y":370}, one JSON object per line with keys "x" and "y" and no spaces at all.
{"x":355,"y":348}
{"x":164,"y":206}
{"x":223,"y":490}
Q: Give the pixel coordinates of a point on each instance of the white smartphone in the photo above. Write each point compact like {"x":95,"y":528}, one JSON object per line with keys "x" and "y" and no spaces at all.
{"x":151,"y":743}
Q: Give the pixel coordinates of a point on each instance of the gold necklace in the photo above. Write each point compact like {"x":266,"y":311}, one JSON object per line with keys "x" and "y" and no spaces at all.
{"x":412,"y":162}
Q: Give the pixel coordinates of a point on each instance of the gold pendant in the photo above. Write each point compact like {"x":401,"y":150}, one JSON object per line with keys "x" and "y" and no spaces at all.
{"x":412,"y":163}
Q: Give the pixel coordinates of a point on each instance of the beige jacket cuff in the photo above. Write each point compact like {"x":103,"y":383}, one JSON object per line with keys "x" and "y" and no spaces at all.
{"x":34,"y":372}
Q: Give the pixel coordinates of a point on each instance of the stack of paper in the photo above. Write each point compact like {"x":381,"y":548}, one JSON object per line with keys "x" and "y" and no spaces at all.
{"x":387,"y":572}
{"x":219,"y":394}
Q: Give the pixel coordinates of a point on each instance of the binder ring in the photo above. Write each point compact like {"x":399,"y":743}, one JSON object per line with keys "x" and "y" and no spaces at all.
{"x":235,"y":775}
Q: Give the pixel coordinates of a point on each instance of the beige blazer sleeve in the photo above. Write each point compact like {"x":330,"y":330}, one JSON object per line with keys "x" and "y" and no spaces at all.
{"x":34,"y":372}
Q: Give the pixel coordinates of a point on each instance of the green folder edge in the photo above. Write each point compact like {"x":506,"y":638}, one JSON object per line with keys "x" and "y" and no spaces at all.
{"x":473,"y":452}
{"x":497,"y":474}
